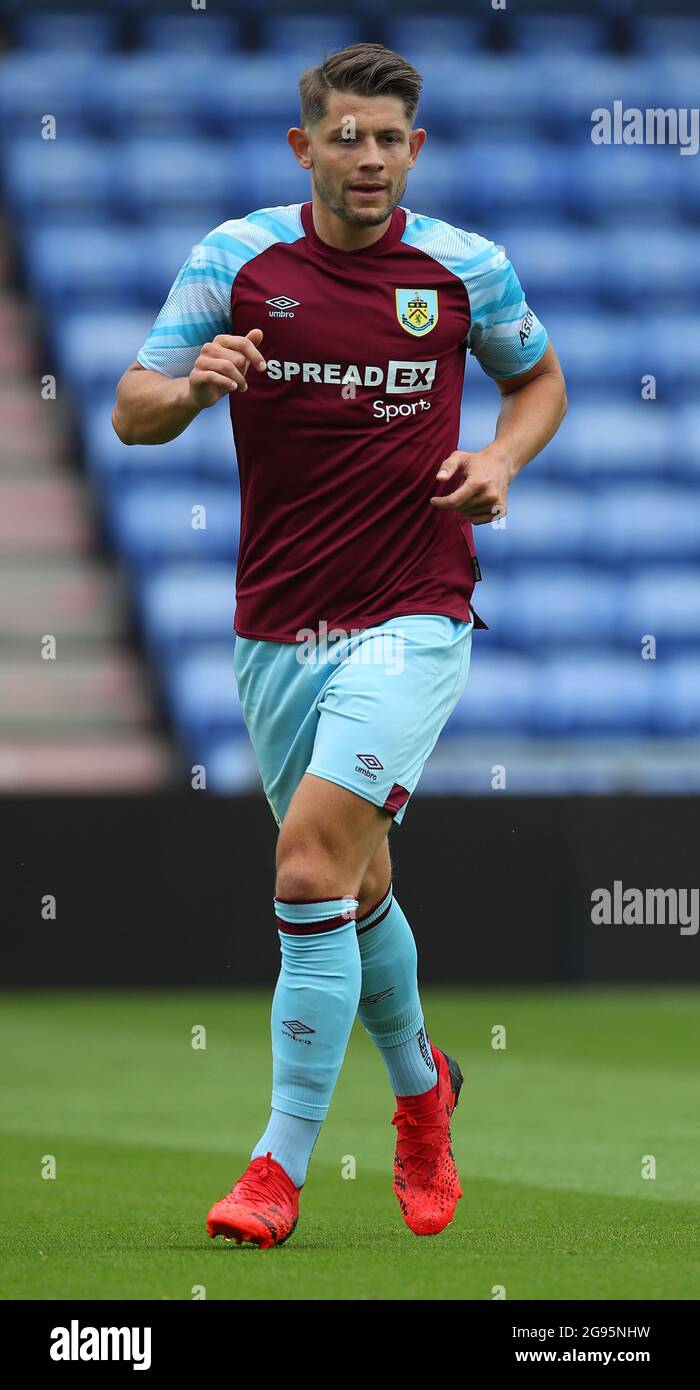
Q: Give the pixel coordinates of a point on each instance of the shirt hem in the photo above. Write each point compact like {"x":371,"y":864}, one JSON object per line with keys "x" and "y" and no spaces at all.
{"x":416,"y":610}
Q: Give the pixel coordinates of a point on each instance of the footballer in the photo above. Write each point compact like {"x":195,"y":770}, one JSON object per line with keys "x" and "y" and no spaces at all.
{"x":338,"y":330}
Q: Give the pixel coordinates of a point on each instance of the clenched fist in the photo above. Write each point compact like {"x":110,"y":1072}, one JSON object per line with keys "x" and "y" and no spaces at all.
{"x":222,"y":366}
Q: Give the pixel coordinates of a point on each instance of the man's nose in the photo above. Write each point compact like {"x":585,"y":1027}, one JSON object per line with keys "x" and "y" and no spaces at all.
{"x":371,"y":155}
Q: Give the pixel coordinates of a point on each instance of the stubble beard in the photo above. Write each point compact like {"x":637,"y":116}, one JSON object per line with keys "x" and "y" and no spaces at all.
{"x":352,"y":216}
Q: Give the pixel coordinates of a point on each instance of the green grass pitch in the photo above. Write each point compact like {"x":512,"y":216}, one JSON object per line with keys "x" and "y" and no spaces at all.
{"x":550,"y":1136}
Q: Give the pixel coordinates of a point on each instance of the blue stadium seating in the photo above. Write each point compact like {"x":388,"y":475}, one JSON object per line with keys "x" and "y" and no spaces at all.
{"x":183,"y":604}
{"x":589,"y":692}
{"x":668,"y":35}
{"x":161,"y":142}
{"x":559,"y":35}
{"x":198,"y":29}
{"x":65,"y":32}
{"x":422,"y":35}
{"x":301,"y":37}
{"x":204,"y":451}
{"x":187,"y":520}
{"x":201,"y":691}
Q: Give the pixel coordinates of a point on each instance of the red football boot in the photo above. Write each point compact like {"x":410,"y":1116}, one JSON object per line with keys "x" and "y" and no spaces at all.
{"x":426,"y":1181}
{"x":262,"y":1207}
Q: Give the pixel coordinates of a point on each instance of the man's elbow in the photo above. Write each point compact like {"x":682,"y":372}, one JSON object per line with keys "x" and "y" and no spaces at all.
{"x":120,"y":426}
{"x":564,"y":399}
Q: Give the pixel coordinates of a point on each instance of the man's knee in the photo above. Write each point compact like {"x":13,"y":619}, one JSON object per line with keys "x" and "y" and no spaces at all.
{"x":327,"y":842}
{"x":311,"y":867}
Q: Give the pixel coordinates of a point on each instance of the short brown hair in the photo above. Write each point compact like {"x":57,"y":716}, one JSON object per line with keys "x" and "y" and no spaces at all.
{"x":366,"y":69}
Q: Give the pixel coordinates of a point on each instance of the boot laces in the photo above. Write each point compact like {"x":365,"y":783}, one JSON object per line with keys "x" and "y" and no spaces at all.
{"x":416,"y":1149}
{"x":261,"y":1182}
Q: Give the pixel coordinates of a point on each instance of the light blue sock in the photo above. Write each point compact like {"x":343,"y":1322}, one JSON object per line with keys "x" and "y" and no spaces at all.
{"x":390,"y":1007}
{"x":313,"y":1010}
{"x":290,"y":1140}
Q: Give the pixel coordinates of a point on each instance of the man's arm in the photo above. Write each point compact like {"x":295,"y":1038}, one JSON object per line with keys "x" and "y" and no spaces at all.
{"x":533,"y":405}
{"x":152,"y":408}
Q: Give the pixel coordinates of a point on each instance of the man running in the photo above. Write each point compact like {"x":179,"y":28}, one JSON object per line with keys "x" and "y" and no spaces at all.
{"x":338,"y":329}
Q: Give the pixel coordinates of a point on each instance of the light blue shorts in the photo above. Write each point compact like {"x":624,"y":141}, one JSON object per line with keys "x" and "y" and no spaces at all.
{"x":363,"y":710}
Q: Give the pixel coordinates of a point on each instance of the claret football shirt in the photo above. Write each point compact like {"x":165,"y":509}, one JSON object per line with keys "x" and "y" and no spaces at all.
{"x":339,"y":441}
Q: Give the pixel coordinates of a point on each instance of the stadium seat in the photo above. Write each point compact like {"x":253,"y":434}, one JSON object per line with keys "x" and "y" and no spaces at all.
{"x":544,"y":520}
{"x":609,"y":177}
{"x":50,"y":34}
{"x":644,"y":523}
{"x":600,"y":348}
{"x":558,"y":35}
{"x":154,"y":521}
{"x":72,"y":84}
{"x":416,"y":35}
{"x":498,"y":174}
{"x":229,"y":763}
{"x":587,"y":692}
{"x":501,"y":693}
{"x":677,"y":710}
{"x":308,"y":38}
{"x":604,"y":436}
{"x":650,"y":265}
{"x":205,"y":450}
{"x":671,"y":35}
{"x":155,"y":175}
{"x":201,"y":692}
{"x":42,"y":175}
{"x":119,"y":334}
{"x":196,"y":30}
{"x":188,"y":604}
{"x":86,"y":266}
{"x":674,"y":347}
{"x":664,"y":603}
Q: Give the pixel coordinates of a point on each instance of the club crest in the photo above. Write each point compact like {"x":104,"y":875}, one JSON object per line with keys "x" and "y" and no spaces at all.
{"x":417,"y":311}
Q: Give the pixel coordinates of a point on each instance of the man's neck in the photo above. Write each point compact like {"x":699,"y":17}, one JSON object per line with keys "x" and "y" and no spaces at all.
{"x":341,"y":235}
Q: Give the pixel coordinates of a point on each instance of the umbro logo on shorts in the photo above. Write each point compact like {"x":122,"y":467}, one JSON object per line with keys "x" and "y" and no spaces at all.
{"x":370,"y":760}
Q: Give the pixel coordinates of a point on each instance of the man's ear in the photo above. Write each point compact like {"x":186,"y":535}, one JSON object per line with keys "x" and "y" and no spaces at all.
{"x":298,"y":141}
{"x":416,"y":141}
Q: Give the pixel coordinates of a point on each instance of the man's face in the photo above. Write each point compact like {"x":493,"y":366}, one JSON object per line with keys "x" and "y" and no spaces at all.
{"x":359,"y":155}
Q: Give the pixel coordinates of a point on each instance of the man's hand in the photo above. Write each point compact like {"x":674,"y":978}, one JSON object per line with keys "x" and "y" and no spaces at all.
{"x":483,"y":480}
{"x":222,"y":366}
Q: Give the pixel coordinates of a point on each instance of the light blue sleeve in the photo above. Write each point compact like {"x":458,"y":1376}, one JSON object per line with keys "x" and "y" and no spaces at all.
{"x":198,"y":307}
{"x":199,"y":303}
{"x":505,"y":336}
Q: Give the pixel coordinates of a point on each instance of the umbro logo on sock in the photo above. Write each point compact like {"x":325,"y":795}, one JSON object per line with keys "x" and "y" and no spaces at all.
{"x":376,"y":998}
{"x":295,"y":1029}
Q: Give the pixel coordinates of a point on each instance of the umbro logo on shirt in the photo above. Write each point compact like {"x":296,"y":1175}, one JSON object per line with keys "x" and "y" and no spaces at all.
{"x":282,"y":306}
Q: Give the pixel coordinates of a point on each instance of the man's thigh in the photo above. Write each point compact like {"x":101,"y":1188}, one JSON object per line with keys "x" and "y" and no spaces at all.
{"x":333,"y":836}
